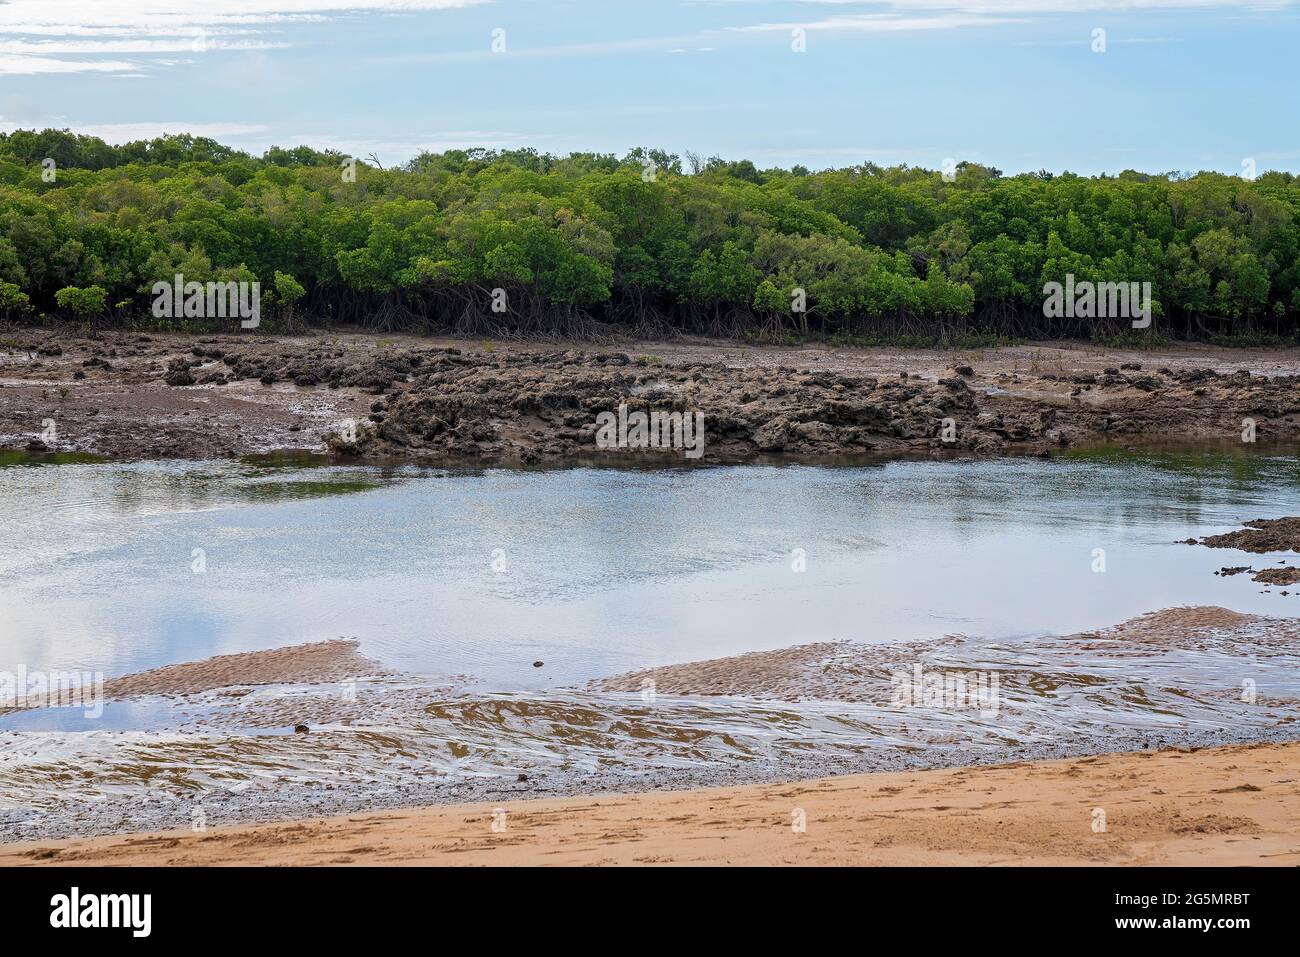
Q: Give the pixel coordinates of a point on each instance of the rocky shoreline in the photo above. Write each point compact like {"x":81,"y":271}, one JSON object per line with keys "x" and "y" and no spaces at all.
{"x":380,"y":399}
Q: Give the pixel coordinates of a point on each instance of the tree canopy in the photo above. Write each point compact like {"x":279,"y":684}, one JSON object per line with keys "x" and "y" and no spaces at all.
{"x":646,"y":242}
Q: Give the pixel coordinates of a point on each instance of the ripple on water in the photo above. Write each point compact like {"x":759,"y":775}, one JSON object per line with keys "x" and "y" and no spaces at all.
{"x":1164,"y":678}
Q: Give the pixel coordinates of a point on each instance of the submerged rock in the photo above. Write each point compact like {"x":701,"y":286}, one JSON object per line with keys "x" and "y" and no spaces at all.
{"x":1278,"y":576}
{"x":1260,"y":536}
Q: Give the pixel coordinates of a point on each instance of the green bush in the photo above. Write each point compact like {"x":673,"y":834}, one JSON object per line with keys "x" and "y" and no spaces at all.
{"x":14,"y":303}
{"x":287,"y":289}
{"x":82,"y":303}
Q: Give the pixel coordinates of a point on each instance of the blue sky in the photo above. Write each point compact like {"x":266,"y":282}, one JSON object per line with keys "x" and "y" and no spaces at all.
{"x":1182,"y":84}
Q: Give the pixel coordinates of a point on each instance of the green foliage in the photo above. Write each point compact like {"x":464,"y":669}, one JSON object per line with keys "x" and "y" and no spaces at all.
{"x":287,"y":289}
{"x":81,"y":303}
{"x":14,"y":303}
{"x":646,"y":240}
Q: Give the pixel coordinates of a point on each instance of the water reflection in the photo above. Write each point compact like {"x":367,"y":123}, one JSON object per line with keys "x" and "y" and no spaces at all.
{"x":599,"y":571}
{"x":1138,"y":688}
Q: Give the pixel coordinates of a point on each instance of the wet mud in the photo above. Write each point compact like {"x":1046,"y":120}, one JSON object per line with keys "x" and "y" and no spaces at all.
{"x":1181,"y":678}
{"x":374,"y":398}
{"x":1260,"y":536}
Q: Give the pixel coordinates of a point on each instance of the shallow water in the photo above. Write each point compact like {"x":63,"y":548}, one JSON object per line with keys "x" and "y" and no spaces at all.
{"x":225,"y":756}
{"x":599,"y":571}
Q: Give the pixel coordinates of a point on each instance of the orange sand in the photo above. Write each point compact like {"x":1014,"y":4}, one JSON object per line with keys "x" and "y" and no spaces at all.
{"x":1237,"y":805}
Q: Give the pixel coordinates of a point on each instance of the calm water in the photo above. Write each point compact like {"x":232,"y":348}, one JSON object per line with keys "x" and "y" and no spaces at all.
{"x":599,"y":571}
{"x":461,"y":581}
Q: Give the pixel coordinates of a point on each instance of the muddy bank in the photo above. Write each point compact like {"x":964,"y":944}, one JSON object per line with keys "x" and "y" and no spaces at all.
{"x":1260,"y":536}
{"x":846,"y":671}
{"x":533,"y":407}
{"x":318,"y":661}
{"x":314,"y":663}
{"x":1190,"y":677}
{"x":405,"y":398}
{"x":1286,"y":575}
{"x":1278,"y":576}
{"x":107,"y":395}
{"x":1229,"y":806}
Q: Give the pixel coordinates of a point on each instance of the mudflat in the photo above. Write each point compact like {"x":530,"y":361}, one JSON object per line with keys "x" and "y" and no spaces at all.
{"x":212,"y":739}
{"x":1229,"y":806}
{"x":406,"y":398}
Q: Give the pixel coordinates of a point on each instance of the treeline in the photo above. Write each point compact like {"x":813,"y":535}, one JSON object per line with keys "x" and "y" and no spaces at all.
{"x":486,"y":242}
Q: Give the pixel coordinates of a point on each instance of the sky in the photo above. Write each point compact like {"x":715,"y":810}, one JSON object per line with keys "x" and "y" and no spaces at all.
{"x":1021,"y":85}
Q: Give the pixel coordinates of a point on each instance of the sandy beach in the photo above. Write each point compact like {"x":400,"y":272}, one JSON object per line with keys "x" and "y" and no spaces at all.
{"x":1229,"y":806}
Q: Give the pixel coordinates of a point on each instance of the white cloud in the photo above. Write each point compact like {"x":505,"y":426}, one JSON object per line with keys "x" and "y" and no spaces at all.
{"x":182,"y":45}
{"x":36,"y":35}
{"x":126,"y":132}
{"x":393,"y":152}
{"x":29,"y":65}
{"x":1029,"y":7}
{"x":147,"y":130}
{"x":152,"y":16}
{"x":78,"y":36}
{"x":883,"y":23}
{"x":256,"y":138}
{"x":907,"y":15}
